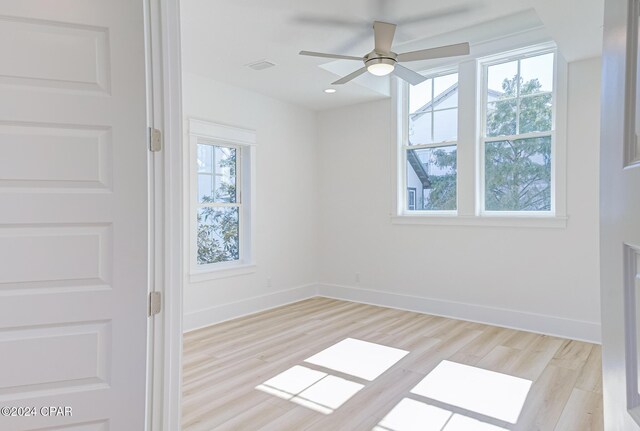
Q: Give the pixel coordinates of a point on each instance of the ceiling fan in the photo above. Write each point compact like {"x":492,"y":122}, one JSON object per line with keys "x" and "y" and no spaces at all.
{"x":382,"y":61}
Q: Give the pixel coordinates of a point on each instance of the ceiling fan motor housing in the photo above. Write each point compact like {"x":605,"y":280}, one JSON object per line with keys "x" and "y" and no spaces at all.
{"x":380,"y":58}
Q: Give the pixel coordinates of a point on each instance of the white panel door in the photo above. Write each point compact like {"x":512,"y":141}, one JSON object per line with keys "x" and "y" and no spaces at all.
{"x":620,"y":215}
{"x":73,"y":214}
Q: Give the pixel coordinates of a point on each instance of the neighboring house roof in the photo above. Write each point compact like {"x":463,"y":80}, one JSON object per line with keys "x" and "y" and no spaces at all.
{"x":419,"y":168}
{"x":433,"y":103}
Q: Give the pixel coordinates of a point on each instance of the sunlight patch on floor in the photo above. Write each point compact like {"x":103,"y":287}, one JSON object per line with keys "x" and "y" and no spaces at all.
{"x":464,"y":423}
{"x":313,"y":389}
{"x":489,"y":393}
{"x":412,"y":415}
{"x":358,"y":358}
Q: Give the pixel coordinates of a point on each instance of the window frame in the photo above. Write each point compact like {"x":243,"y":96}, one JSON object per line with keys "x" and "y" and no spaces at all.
{"x":237,"y":204}
{"x":470,"y":131}
{"x":483,"y":70}
{"x":404,"y":146}
{"x":243,"y":141}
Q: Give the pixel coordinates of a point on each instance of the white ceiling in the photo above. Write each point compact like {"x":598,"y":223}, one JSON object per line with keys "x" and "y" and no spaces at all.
{"x":219,"y":37}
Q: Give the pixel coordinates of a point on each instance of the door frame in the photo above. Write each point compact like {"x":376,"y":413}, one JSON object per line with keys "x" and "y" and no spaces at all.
{"x":165,"y":103}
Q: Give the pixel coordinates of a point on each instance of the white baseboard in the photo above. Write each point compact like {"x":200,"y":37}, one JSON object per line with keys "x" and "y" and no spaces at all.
{"x":522,"y":320}
{"x":210,"y":316}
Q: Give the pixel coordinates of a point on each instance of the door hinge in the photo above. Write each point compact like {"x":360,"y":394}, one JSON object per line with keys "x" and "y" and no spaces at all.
{"x":155,"y":303}
{"x":155,"y":139}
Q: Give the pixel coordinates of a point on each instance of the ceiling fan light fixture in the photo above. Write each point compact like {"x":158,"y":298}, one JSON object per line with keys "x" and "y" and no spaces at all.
{"x":382,"y":61}
{"x":380,"y":66}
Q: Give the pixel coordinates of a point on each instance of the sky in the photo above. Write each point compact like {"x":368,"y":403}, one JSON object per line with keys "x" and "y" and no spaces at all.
{"x":540,"y":67}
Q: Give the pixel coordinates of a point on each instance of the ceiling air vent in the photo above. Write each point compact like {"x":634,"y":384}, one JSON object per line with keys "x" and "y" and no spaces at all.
{"x":260,"y":65}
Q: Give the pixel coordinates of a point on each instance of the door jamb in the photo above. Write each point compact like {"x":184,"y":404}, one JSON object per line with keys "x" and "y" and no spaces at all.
{"x":165,"y":380}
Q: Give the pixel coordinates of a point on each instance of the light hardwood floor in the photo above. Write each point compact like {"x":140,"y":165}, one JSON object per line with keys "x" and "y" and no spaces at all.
{"x":224,"y":363}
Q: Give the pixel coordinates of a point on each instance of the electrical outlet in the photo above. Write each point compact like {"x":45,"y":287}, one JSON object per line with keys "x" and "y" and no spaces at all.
{"x":357,"y":277}
{"x":268,"y":281}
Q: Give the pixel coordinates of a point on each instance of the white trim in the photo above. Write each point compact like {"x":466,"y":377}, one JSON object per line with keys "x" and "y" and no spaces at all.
{"x":222,"y":132}
{"x":220,"y":313}
{"x":221,"y":272}
{"x":166,"y":358}
{"x":520,"y":320}
{"x":495,"y":220}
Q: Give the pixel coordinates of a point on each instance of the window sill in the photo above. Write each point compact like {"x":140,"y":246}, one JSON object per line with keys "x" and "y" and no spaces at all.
{"x":557,"y":222}
{"x":198,"y":276}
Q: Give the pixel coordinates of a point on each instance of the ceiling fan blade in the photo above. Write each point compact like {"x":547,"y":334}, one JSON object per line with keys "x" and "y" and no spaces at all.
{"x":322,"y":54}
{"x":357,"y":41}
{"x":413,"y":78}
{"x":439,"y":14}
{"x":350,"y":76}
{"x":329,"y":21}
{"x":383,"y":33}
{"x":440,"y":52}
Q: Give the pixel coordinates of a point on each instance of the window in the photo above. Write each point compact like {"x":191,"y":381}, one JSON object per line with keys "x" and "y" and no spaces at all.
{"x":221,"y":196}
{"x":481,"y":142}
{"x":518,"y":134}
{"x":218,"y":215}
{"x":430,"y":147}
{"x":411,"y":196}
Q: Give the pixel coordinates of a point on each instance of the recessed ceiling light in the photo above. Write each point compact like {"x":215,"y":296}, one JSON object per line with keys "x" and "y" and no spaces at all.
{"x":329,"y":90}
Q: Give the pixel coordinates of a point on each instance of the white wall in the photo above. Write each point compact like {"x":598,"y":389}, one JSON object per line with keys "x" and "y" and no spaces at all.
{"x":286,"y":208}
{"x":540,"y":279}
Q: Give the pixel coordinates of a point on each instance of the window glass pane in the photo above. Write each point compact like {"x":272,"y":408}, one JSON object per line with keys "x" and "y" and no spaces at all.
{"x":205,"y":158}
{"x":445,"y":90}
{"x":411,"y":198}
{"x":420,"y":96}
{"x":205,"y":185}
{"x":445,"y":125}
{"x":432,"y":173}
{"x":221,"y":187}
{"x":518,"y":175}
{"x":501,"y":118}
{"x":420,"y":128}
{"x":535,"y":113}
{"x":502,"y":79}
{"x":218,"y":239}
{"x":537,"y":74}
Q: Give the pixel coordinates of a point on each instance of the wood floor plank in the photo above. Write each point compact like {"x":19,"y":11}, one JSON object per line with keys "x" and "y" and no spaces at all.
{"x":590,"y":378}
{"x":224,"y":364}
{"x":500,"y":359}
{"x":572,"y":354}
{"x":547,"y":399}
{"x":583,"y":412}
{"x":295,"y":419}
{"x":534,"y":359}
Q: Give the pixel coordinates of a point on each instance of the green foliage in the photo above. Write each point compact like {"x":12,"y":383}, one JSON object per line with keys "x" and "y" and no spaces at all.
{"x":443,"y":191}
{"x":518,"y":175}
{"x":217,"y":236}
{"x":518,"y":172}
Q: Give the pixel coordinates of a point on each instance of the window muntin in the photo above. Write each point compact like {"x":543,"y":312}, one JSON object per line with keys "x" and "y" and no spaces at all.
{"x":218,"y":212}
{"x":517,"y":143}
{"x":433,"y":110}
{"x":216,"y":173}
{"x":430,"y":149}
